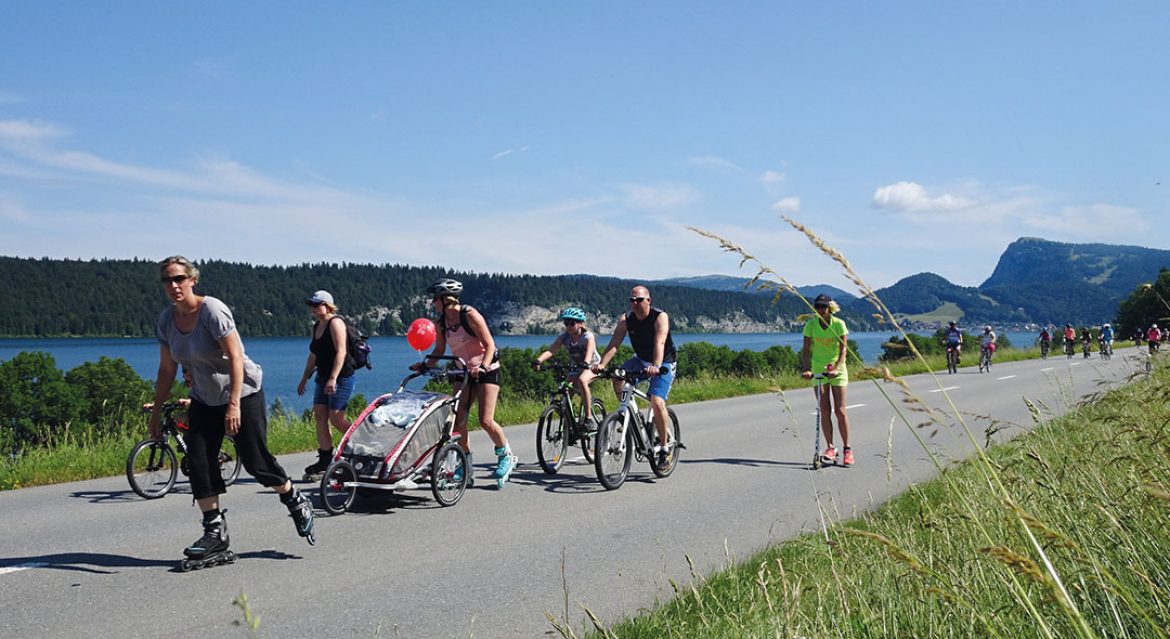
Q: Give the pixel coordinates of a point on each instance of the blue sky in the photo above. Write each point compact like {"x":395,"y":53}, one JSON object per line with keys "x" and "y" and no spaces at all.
{"x":550,"y":137}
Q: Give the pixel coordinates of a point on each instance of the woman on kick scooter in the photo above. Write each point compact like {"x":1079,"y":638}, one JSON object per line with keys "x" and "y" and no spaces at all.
{"x":824,"y":350}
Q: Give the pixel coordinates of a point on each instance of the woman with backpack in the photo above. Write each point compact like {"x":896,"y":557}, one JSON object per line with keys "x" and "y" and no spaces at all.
{"x":465,"y":330}
{"x":329,"y":357}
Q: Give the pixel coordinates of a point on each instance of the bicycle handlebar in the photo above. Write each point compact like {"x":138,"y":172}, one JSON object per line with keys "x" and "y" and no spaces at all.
{"x":623,"y":374}
{"x":167,"y":407}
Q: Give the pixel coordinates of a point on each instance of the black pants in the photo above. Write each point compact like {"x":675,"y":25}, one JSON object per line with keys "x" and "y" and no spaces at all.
{"x":206,"y":435}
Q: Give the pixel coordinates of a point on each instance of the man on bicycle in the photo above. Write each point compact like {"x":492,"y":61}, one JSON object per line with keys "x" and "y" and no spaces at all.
{"x":654,"y":356}
{"x":1154,"y":337}
{"x":1045,"y":340}
{"x":1070,"y":339}
{"x":953,"y":338}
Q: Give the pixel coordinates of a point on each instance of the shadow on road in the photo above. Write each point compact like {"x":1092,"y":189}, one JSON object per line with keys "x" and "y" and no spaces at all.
{"x":739,"y":461}
{"x":106,"y":564}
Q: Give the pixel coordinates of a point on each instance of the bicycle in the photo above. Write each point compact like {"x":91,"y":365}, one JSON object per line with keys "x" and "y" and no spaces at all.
{"x":153,"y":467}
{"x":628,"y":429}
{"x":1069,"y":348}
{"x":1087,"y":347}
{"x":1044,"y":346}
{"x":562,"y":425}
{"x":952,"y":359}
{"x":985,"y":359}
{"x":1105,"y":348}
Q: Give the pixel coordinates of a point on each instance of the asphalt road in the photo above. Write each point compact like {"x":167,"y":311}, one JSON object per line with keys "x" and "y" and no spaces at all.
{"x":91,"y":559}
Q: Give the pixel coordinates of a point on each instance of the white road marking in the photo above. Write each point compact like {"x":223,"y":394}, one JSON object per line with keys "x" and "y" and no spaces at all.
{"x":848,"y":406}
{"x":1006,"y":377}
{"x":20,"y":567}
{"x":948,"y":388}
{"x":1075,"y":364}
{"x":1045,"y":370}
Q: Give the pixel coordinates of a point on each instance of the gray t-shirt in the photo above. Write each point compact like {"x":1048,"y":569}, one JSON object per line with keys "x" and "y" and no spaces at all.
{"x":199,"y":352}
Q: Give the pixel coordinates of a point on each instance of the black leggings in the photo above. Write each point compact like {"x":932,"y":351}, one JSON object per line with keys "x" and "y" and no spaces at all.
{"x":206,"y":435}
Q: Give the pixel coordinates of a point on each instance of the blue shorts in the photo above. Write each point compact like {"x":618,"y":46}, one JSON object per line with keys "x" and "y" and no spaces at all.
{"x":659,"y":384}
{"x":339,"y":399}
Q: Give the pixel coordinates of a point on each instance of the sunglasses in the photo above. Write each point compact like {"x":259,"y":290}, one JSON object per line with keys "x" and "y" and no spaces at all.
{"x":820,"y":306}
{"x":570,"y":322}
{"x":638,"y":300}
{"x":174,"y":279}
{"x":314,"y":304}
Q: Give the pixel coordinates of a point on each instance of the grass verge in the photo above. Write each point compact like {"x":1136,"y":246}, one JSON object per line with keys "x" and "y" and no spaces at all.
{"x":955,"y":558}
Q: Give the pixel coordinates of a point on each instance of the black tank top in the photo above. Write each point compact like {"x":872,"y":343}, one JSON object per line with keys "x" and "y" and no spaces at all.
{"x":641,"y":334}
{"x":323,"y":348}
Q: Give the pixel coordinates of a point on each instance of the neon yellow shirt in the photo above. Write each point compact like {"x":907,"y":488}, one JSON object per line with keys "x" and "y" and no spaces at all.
{"x":826,"y":346}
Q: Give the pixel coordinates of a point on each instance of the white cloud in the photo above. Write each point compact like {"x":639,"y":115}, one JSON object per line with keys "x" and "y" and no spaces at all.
{"x":714,"y":162}
{"x":911,"y":197}
{"x":505,"y":153}
{"x":772,"y":178}
{"x":658,"y":197}
{"x":17,"y":132}
{"x":787,"y":205}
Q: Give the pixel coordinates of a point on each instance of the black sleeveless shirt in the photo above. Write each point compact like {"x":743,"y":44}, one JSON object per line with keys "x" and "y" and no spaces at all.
{"x":641,"y":334}
{"x":323,"y":348}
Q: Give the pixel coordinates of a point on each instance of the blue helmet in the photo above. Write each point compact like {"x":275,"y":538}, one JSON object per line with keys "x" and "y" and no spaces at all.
{"x":573,"y":313}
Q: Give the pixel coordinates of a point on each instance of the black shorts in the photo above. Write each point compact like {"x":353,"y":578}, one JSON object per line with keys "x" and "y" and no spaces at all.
{"x":490,"y":377}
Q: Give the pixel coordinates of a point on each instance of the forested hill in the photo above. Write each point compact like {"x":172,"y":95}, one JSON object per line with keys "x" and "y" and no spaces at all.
{"x":52,"y":298}
{"x":1084,"y":282}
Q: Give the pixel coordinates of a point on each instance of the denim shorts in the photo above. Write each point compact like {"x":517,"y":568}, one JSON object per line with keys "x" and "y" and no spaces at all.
{"x":659,"y":384}
{"x":339,"y":399}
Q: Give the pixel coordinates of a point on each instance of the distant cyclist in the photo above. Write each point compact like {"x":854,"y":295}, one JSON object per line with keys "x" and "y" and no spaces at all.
{"x":1070,"y":339}
{"x":1086,"y":341}
{"x":1107,"y":338}
{"x":581,"y":344}
{"x":953,"y":339}
{"x":987,"y":341}
{"x":1154,"y":337}
{"x":1045,"y":341}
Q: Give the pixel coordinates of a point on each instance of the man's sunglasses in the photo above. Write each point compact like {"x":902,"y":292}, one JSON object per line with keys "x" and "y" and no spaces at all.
{"x":638,"y":300}
{"x":174,"y":279}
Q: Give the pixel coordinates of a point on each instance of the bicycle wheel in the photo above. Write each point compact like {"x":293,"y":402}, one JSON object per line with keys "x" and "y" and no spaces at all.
{"x":951,"y":368}
{"x":614,"y":450}
{"x":229,"y":461}
{"x":552,"y":438}
{"x":672,"y":456}
{"x":151,"y":468}
{"x":335,"y":495}
{"x":449,"y":473}
{"x":589,"y":439}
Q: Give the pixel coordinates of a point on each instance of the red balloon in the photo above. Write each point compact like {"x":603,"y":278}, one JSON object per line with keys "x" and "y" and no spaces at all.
{"x":421,"y":334}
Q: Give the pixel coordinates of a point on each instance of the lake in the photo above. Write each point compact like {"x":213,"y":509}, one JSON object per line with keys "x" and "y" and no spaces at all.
{"x":283,"y":358}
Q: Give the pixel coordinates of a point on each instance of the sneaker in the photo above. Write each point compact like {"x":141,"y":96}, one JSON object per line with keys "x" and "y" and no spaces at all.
{"x":590,"y":424}
{"x":829,"y":456}
{"x":505,"y":463}
{"x":847,"y":457}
